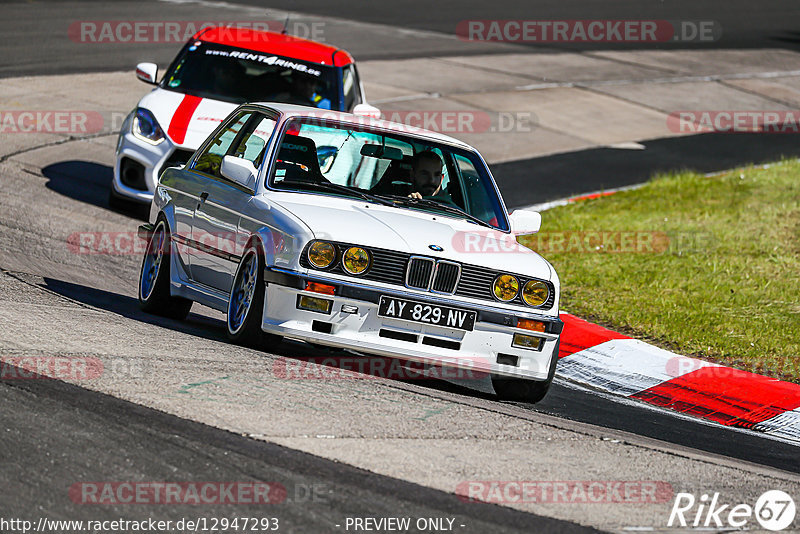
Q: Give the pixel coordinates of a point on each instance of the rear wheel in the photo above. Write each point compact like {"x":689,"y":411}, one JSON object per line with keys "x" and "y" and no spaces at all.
{"x":524,"y":390}
{"x":246,"y":303}
{"x":154,"y":295}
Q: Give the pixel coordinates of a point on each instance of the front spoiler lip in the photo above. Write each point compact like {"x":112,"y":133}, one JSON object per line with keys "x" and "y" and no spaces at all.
{"x":486,"y":314}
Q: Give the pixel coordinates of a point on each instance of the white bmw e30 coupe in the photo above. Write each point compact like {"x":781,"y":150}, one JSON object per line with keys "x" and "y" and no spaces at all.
{"x":355,"y":233}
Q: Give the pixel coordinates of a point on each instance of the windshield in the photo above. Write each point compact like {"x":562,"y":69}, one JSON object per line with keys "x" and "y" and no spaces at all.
{"x":238,"y":75}
{"x":404,"y":171}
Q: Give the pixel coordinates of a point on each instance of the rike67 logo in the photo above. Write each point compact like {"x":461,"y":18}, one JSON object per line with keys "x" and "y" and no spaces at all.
{"x":774,"y":510}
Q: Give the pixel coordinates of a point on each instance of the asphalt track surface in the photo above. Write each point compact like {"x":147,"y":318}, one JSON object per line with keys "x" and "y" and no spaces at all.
{"x":35,"y":41}
{"x":771,"y":23}
{"x":69,"y":433}
{"x":79,"y":434}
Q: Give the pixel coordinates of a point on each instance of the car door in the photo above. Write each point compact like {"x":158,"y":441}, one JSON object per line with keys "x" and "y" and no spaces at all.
{"x":215,"y":224}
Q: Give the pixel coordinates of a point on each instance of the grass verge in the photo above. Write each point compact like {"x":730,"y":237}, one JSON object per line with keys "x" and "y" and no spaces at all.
{"x":704,"y":266}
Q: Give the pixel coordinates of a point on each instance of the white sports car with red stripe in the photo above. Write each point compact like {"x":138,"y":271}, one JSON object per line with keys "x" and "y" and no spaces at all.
{"x":218,"y":69}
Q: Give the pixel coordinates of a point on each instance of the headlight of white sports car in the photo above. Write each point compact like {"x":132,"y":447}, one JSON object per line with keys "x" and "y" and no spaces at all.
{"x":146,"y":127}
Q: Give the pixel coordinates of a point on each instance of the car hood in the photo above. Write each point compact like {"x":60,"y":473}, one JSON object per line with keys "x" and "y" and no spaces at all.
{"x":187,"y":120}
{"x":412,"y":231}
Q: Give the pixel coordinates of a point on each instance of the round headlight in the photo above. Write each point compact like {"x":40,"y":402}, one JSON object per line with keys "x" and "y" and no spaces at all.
{"x":535,"y":293}
{"x":355,"y":260}
{"x":505,"y":287}
{"x":321,"y":254}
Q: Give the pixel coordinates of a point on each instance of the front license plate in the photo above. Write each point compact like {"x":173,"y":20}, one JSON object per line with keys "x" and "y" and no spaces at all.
{"x":422,"y":312}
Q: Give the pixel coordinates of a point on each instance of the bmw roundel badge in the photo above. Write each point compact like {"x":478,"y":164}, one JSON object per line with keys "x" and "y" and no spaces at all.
{"x":437,"y":248}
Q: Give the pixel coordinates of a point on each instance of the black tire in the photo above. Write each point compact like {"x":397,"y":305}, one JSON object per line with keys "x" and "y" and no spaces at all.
{"x":524,"y":390}
{"x":154,"y":296}
{"x":244,"y":325}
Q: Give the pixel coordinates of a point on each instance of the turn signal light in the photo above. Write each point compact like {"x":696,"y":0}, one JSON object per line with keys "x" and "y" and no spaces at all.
{"x":530,"y":324}
{"x":325,"y":289}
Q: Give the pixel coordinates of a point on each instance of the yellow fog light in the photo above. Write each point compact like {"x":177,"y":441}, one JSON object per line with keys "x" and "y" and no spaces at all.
{"x":505,"y":287}
{"x":535,"y":293}
{"x":525,"y":341}
{"x":355,"y":260}
{"x":321,"y":254}
{"x":305,"y":302}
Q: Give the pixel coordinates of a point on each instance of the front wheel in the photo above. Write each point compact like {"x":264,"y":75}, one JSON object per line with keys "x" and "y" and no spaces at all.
{"x":154,"y":295}
{"x":246,"y":302}
{"x":523,"y":390}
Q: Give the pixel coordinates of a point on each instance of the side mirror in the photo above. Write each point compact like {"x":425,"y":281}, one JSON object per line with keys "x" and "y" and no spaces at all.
{"x":147,"y":72}
{"x":525,"y":222}
{"x":367,"y":110}
{"x":239,"y":170}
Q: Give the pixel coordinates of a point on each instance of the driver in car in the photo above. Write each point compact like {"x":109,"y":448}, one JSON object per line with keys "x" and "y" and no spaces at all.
{"x":305,"y":89}
{"x":426,"y":176}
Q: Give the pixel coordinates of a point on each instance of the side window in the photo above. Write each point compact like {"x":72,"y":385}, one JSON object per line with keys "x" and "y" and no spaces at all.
{"x":351,"y":88}
{"x":475,"y":187}
{"x":246,"y":138}
{"x":210,"y":159}
{"x":445,"y":171}
{"x":254,"y":139}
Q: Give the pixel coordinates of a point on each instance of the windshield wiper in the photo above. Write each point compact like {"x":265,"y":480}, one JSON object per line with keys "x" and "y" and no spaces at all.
{"x":438,"y":205}
{"x":330,"y":186}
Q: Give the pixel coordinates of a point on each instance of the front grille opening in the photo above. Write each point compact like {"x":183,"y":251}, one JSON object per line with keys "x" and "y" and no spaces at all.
{"x":446,"y":278}
{"x":508,"y":359}
{"x":322,"y":326}
{"x":441,"y":343}
{"x":131,"y":174}
{"x":400,"y":336}
{"x":419,"y":273}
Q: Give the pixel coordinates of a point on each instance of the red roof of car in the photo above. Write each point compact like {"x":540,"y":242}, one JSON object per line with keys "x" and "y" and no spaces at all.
{"x":276,"y":43}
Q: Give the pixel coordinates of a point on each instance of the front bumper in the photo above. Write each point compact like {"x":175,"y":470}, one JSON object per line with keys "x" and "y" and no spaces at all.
{"x":152,"y":158}
{"x":353,"y":323}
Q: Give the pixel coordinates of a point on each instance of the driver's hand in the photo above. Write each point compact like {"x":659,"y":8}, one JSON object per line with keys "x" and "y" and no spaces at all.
{"x":415,"y":194}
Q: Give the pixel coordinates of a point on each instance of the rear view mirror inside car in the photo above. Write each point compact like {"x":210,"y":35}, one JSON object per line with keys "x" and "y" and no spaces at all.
{"x":382,"y":152}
